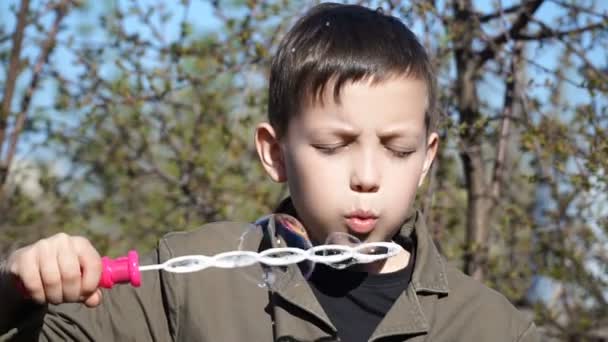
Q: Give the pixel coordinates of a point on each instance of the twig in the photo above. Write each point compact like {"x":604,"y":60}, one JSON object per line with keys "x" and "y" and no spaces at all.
{"x":487,"y":17}
{"x":547,"y":32}
{"x":525,"y":14}
{"x":579,"y":8}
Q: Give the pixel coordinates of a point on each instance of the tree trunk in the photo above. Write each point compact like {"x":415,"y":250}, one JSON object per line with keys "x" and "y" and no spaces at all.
{"x":467,"y":103}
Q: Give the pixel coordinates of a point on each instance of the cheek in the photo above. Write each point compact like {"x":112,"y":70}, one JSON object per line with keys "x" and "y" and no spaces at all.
{"x":317,"y":185}
{"x":404,"y":175}
{"x":307,"y":167}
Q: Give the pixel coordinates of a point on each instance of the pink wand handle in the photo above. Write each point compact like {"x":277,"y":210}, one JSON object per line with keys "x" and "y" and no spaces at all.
{"x":121,"y":270}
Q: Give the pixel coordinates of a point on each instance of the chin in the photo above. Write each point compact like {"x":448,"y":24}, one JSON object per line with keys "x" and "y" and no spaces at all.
{"x":377,"y":237}
{"x":370,"y":237}
{"x":362,"y":237}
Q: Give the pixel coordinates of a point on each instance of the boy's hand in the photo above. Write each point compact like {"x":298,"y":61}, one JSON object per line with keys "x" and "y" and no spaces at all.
{"x":58,"y":269}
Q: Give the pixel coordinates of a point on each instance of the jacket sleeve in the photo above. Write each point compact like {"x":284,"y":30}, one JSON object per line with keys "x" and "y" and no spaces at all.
{"x":125,"y":314}
{"x":530,"y":334}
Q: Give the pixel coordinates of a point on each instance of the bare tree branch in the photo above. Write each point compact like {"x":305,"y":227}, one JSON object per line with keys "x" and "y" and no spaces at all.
{"x":600,"y":74}
{"x":578,"y":8}
{"x":525,"y":14}
{"x":487,"y":17}
{"x":547,"y":32}
{"x":11,"y":79}
{"x":5,"y":38}
{"x":553,"y":72}
{"x":503,"y":138}
{"x":47,"y":48}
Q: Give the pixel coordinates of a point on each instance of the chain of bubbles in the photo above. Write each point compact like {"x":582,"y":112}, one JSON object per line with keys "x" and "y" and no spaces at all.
{"x":331,"y":255}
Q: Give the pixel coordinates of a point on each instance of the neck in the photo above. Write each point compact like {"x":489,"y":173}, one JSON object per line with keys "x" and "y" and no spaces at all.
{"x":392,"y":264}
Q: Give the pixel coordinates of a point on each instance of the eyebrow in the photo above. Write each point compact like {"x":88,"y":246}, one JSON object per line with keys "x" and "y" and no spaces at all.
{"x":338,"y":128}
{"x":399,"y":132}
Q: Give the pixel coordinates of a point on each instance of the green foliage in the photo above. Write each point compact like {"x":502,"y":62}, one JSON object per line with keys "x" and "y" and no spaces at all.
{"x":150,"y":124}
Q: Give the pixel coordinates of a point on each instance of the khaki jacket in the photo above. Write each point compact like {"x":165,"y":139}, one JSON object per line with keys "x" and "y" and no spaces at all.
{"x":440,"y":303}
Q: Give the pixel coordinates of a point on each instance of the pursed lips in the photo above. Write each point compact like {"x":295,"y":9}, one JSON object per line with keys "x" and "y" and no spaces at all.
{"x":361,"y":221}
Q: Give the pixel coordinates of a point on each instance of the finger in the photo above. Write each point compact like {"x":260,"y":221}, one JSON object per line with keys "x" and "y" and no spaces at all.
{"x":69,"y":269}
{"x":49,"y":272}
{"x":94,"y":299}
{"x":90,"y":263}
{"x":26,"y":269}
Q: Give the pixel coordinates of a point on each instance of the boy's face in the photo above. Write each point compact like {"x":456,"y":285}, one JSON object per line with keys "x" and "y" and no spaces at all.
{"x":354,"y":166}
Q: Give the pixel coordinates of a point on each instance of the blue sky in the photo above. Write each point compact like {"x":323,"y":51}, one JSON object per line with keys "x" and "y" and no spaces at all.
{"x":201,"y":16}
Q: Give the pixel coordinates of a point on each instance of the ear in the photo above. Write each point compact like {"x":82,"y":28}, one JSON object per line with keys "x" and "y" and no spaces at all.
{"x":432,"y":144}
{"x":269,"y":152}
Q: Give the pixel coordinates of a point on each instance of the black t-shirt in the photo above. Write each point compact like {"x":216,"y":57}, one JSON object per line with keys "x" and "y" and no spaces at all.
{"x":356,"y":302}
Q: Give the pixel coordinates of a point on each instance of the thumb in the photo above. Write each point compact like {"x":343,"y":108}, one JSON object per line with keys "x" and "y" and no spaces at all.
{"x":94,"y":299}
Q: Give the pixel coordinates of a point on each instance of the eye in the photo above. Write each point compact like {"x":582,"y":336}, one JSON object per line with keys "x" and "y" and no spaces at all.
{"x":329,"y":149}
{"x":399,"y":153}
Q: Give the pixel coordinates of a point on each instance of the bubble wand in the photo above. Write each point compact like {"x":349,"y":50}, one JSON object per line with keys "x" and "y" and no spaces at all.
{"x":126,"y":269}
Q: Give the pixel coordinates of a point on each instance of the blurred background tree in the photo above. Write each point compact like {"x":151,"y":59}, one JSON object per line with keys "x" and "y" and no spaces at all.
{"x":125,"y":120}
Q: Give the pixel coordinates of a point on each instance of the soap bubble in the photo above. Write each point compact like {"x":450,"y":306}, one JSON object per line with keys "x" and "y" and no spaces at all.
{"x":341,"y":238}
{"x":345,"y":240}
{"x":276,"y":253}
{"x":349,"y":250}
{"x":288,"y":239}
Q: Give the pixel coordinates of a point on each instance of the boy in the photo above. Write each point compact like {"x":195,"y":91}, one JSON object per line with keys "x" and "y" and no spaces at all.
{"x":351,"y":113}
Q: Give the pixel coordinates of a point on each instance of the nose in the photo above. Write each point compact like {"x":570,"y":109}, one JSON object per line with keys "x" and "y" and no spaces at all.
{"x":365,"y":176}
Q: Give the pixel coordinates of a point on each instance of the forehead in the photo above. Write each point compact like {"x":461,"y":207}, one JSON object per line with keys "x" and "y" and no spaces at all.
{"x":399,"y":102}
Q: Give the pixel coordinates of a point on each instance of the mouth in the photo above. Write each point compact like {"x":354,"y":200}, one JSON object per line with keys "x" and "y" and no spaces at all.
{"x":361,"y":222}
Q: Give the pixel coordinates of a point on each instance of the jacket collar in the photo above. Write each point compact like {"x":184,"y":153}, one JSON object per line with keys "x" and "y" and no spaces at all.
{"x":429,"y":271}
{"x":406,"y":315}
{"x":294,"y":287}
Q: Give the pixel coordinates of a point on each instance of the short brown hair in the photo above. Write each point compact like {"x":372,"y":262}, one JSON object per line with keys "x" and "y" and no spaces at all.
{"x":339,"y":44}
